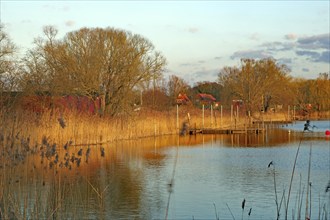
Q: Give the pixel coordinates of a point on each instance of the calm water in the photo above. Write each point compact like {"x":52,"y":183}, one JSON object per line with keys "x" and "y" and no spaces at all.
{"x":212,"y":174}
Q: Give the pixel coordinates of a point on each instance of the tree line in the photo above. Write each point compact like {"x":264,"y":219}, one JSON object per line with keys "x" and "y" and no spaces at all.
{"x":126,"y":70}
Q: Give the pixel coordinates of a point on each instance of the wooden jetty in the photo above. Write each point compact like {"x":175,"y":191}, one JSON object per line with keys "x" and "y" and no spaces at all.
{"x":226,"y":131}
{"x":273,"y":122}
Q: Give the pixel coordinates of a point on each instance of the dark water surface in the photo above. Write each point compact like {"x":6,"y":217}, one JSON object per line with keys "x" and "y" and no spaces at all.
{"x":211,"y":174}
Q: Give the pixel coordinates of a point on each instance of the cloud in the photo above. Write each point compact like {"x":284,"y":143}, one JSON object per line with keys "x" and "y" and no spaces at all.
{"x":205,"y":74}
{"x":66,"y":8}
{"x":305,"y":70}
{"x":278,"y":46}
{"x":311,"y":43}
{"x":320,"y":57}
{"x":290,"y":36}
{"x":308,"y":53}
{"x":315,"y":48}
{"x":255,"y":36}
{"x":195,"y":64}
{"x":193,"y":30}
{"x":254,"y":54}
{"x":324,"y":57}
{"x":217,"y":58}
{"x":26,"y":21}
{"x":321,"y":41}
{"x":57,"y":8}
{"x":285,"y":61}
{"x":69,"y":23}
{"x":185,"y":64}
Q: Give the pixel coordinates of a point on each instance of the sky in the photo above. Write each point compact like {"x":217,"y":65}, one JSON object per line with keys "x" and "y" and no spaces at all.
{"x":197,"y":38}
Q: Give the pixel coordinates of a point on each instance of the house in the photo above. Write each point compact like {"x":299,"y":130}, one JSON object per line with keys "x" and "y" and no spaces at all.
{"x":73,"y":103}
{"x":182,"y":99}
{"x":205,"y":99}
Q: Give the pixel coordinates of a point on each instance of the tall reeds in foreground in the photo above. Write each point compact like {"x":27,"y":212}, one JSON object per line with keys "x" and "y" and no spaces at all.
{"x":292,"y":174}
{"x":49,"y":194}
{"x":301,"y":191}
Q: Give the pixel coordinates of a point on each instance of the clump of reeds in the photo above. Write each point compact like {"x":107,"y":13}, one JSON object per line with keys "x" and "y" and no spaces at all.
{"x":53,"y":158}
{"x":299,"y":200}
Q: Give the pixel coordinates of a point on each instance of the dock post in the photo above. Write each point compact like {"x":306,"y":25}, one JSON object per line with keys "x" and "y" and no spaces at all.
{"x":203,"y":116}
{"x":211,"y":115}
{"x":231,"y":115}
{"x":220,"y":116}
{"x":177,"y":118}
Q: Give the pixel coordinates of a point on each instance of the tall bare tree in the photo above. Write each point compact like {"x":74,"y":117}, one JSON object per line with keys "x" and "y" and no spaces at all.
{"x":8,"y":64}
{"x":313,"y":91}
{"x":258,"y":83}
{"x":175,"y":86}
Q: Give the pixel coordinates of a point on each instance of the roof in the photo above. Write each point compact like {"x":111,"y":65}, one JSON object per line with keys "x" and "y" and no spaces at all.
{"x":183,"y":97}
{"x":206,"y":97}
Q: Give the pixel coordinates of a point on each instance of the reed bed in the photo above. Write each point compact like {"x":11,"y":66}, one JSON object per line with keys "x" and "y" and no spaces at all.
{"x":91,"y":129}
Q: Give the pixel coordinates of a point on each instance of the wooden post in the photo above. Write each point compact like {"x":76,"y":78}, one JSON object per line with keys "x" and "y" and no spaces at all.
{"x":177,"y":118}
{"x":203,"y":116}
{"x":211,"y":115}
{"x":294,"y":113}
{"x":288,"y":112}
{"x":221,"y":116}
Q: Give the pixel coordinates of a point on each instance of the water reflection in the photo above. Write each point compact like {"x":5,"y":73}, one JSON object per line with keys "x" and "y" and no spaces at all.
{"x":129,"y":179}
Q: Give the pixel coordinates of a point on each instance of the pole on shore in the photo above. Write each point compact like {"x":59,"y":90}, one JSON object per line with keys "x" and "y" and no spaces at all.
{"x":231,"y":115}
{"x":221,"y":116}
{"x":211,"y":115}
{"x":203,"y":115}
{"x":177,"y":118}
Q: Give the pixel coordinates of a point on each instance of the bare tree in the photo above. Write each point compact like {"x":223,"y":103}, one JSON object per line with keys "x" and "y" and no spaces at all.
{"x":312,"y":91}
{"x":96,"y":62}
{"x":256,"y":82}
{"x":175,"y":86}
{"x":8,"y":63}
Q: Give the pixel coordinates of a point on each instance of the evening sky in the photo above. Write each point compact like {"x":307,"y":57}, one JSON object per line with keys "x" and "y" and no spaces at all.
{"x":197,"y":38}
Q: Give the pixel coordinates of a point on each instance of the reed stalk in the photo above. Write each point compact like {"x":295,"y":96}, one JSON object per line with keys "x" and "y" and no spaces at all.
{"x":275,"y":189}
{"x":230,"y":211}
{"x":171,"y":183}
{"x":216,"y":212}
{"x":308,"y":214}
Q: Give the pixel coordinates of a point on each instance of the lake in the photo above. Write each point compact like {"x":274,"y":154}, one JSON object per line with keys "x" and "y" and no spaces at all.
{"x":190,"y":177}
